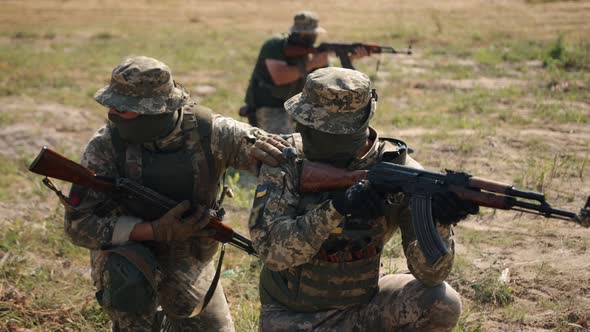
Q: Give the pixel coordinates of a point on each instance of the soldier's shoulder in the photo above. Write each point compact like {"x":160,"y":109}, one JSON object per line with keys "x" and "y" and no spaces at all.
{"x":99,"y":153}
{"x":393,"y":150}
{"x":102,"y":138}
{"x":286,"y":174}
{"x":195,"y":114}
{"x":296,"y":142}
{"x":275,"y":41}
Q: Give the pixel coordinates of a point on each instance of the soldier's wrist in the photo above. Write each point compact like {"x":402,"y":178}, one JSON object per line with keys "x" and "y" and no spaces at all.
{"x":142,"y":232}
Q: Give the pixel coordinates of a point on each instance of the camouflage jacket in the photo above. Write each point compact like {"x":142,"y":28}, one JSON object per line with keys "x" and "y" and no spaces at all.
{"x":97,"y":221}
{"x":286,"y":239}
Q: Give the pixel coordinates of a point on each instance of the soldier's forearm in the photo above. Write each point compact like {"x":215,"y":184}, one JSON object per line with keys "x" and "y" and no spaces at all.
{"x":93,"y":232}
{"x":282,"y":73}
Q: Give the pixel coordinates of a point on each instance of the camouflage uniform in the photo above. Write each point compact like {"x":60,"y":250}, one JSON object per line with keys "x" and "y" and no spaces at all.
{"x":263,"y":95}
{"x":185,"y":268}
{"x":311,"y":280}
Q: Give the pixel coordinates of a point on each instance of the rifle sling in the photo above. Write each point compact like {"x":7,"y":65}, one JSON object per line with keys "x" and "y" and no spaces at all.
{"x":209,"y":295}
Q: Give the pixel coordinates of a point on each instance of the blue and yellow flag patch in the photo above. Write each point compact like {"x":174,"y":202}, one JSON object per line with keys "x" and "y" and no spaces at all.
{"x":260,"y":198}
{"x":261,"y":190}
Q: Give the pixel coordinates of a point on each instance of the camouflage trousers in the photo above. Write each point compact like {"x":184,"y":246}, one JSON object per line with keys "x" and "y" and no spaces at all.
{"x":402,"y":304}
{"x":274,"y":120}
{"x":181,"y":286}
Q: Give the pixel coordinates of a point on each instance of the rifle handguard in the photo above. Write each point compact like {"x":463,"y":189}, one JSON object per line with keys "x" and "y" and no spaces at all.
{"x":322,"y":177}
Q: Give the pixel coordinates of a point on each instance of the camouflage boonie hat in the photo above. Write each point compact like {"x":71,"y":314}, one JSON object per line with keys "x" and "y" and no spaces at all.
{"x":142,"y":85}
{"x":334,"y":100}
{"x":306,"y":22}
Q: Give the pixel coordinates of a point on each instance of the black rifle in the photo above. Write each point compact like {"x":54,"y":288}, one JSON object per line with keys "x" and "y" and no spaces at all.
{"x":343,"y":51}
{"x":143,"y":201}
{"x":423,"y":184}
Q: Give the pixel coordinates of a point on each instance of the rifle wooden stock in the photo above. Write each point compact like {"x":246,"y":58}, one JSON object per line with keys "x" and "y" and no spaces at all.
{"x":298,"y":51}
{"x":322,"y":177}
{"x":52,"y":164}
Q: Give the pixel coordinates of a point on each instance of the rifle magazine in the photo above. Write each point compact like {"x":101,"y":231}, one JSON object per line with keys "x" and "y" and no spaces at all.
{"x":427,"y":235}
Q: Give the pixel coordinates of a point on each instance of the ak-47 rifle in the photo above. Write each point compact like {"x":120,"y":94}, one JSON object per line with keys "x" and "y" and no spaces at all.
{"x":343,"y":51}
{"x":145,"y":201}
{"x":423,"y":184}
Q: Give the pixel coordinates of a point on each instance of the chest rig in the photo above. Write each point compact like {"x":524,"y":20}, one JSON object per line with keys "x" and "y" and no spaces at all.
{"x":345,"y":271}
{"x":182,"y":169}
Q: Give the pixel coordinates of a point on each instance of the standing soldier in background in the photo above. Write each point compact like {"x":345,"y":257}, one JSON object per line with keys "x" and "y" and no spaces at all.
{"x":157,"y":136}
{"x":321,"y":251}
{"x":276,"y":77}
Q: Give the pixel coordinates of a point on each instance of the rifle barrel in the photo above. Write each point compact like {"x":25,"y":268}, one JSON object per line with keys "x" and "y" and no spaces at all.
{"x":388,"y":49}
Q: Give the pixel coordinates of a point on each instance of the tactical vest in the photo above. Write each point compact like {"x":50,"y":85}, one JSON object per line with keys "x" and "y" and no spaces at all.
{"x":345,"y":271}
{"x":187,"y":172}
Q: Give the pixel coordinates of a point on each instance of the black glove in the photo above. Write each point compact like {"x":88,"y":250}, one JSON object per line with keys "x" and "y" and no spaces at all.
{"x":359,"y":201}
{"x":448,"y":208}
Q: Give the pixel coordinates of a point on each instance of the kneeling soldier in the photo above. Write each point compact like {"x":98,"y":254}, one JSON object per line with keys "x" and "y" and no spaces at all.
{"x":321,"y":251}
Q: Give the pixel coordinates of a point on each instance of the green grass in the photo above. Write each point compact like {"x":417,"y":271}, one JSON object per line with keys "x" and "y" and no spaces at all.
{"x":568,"y":57}
{"x":39,"y":285}
{"x":490,"y":291}
{"x":9,"y":171}
{"x":468,"y":324}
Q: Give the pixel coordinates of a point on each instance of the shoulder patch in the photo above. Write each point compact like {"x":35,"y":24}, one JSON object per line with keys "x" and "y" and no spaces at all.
{"x":261,"y":190}
{"x":260,"y":198}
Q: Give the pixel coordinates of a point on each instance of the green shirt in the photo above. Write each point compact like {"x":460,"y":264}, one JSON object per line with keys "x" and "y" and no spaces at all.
{"x":262,"y":92}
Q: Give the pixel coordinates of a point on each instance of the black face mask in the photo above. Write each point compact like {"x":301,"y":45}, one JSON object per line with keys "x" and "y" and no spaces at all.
{"x":337,"y":150}
{"x":302,"y":40}
{"x":145,"y":128}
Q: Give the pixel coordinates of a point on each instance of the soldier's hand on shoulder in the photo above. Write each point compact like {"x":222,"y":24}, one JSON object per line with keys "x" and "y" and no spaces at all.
{"x":269,"y":150}
{"x":360,"y":201}
{"x":448,"y":208}
{"x":173,"y":227}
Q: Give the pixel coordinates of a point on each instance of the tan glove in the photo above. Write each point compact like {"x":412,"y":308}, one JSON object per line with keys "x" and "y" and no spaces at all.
{"x":172,"y":227}
{"x":269,"y":150}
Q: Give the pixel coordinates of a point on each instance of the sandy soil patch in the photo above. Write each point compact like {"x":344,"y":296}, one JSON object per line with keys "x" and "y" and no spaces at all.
{"x":35,"y":124}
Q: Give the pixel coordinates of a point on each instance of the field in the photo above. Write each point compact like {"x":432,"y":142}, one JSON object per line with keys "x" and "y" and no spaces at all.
{"x":500,"y":89}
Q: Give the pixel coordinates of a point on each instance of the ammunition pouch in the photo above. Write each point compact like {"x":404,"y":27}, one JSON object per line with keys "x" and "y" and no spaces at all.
{"x":321,"y":285}
{"x":129,"y":279}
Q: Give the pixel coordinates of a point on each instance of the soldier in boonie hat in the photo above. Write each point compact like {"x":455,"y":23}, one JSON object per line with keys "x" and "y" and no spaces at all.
{"x":143,"y":100}
{"x":332,"y":114}
{"x":142,"y":85}
{"x":278,"y":76}
{"x":334,"y":101}
{"x":335,"y":238}
{"x":143,"y":259}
